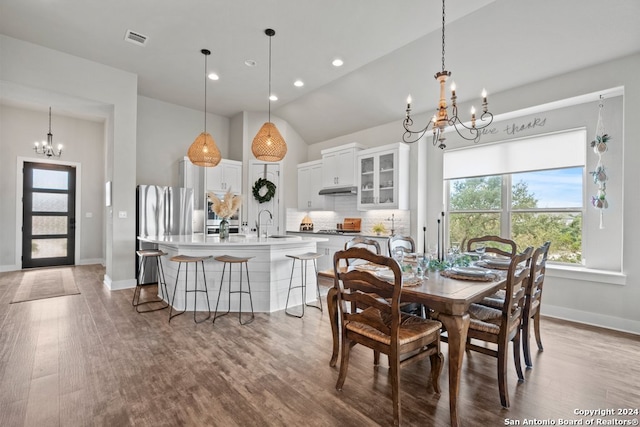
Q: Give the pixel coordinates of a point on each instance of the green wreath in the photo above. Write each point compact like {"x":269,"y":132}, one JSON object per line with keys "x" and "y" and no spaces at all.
{"x":257,"y":187}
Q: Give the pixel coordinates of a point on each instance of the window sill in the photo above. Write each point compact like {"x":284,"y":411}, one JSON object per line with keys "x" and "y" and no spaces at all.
{"x":586,"y":274}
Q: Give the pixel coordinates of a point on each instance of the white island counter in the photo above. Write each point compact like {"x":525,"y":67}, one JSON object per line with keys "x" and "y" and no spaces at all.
{"x":269,"y":269}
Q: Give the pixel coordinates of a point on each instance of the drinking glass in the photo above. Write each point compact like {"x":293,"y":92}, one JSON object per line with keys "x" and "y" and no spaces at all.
{"x":398,"y":255}
{"x":480,"y":250}
{"x":422,"y":263}
{"x":433,"y":252}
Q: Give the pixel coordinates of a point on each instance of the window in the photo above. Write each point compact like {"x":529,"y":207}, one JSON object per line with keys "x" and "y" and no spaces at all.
{"x":517,"y":189}
{"x":530,"y":207}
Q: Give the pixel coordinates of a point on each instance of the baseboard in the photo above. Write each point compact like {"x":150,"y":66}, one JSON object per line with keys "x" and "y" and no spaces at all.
{"x":5,"y":268}
{"x":92,"y":261}
{"x":590,"y":318}
{"x":118,"y":285}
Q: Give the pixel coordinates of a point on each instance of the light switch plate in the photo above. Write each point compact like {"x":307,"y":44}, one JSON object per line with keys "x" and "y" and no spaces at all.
{"x":122,"y":214}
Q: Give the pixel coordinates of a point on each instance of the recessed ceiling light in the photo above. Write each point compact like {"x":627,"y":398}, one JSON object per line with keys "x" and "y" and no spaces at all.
{"x":250,"y":63}
{"x":298,"y":83}
{"x":337,"y":62}
{"x":273,"y":98}
{"x":213,"y":76}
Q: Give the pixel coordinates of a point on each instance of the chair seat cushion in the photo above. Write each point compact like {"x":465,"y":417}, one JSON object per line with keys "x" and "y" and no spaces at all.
{"x":411,"y":327}
{"x":485,"y":319}
{"x":496,"y":300}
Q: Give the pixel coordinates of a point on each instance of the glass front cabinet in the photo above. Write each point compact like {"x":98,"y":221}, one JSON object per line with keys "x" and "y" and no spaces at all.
{"x":383,"y":177}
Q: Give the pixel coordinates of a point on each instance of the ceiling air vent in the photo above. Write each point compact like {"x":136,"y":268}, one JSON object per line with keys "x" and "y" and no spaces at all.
{"x":135,"y":38}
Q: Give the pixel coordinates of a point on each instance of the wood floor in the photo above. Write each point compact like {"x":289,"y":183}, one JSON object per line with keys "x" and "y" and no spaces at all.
{"x":91,"y":360}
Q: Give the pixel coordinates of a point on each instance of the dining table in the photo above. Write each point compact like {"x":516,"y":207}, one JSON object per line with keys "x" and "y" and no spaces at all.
{"x":449,"y":299}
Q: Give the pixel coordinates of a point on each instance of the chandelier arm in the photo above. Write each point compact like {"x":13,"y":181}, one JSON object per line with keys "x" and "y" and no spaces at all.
{"x":408,"y":134}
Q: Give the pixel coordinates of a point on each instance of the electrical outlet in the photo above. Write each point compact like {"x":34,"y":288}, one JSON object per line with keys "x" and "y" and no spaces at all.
{"x":122,"y":214}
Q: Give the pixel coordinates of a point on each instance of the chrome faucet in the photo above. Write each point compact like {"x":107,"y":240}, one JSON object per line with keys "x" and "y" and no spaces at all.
{"x":259,"y":224}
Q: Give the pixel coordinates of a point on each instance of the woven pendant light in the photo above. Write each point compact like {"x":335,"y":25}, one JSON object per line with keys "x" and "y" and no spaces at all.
{"x":204,"y":151}
{"x":268,"y":145}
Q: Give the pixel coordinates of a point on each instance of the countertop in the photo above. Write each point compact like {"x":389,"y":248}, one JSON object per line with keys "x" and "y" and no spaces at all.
{"x":234,"y":240}
{"x":324,"y":234}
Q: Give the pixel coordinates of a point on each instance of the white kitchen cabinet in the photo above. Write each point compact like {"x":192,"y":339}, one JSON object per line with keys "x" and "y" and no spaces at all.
{"x":383,"y":177}
{"x":339,"y":165}
{"x":309,"y":186}
{"x":335,"y":243}
{"x":192,"y":176}
{"x":226,"y":175}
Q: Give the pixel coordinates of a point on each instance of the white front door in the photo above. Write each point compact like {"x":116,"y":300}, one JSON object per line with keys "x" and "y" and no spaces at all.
{"x":270,"y":172}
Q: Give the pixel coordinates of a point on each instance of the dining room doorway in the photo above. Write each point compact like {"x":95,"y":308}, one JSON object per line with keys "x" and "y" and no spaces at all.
{"x":49,"y":215}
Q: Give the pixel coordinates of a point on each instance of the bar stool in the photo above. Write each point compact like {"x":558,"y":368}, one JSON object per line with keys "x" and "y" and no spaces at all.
{"x":228,"y":259}
{"x":304,"y":259}
{"x":190,"y":260}
{"x":144,"y":255}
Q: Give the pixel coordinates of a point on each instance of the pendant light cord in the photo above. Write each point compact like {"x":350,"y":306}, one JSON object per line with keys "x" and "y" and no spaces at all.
{"x":270,"y":36}
{"x":205,"y":91}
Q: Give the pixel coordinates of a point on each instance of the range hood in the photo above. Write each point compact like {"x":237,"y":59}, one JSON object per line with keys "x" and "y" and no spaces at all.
{"x":339,"y":191}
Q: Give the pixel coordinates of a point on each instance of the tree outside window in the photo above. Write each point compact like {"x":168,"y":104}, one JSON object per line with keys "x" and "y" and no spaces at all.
{"x":529,"y":208}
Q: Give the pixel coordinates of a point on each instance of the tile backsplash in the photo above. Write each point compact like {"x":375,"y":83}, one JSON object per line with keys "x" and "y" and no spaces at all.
{"x":346,"y":207}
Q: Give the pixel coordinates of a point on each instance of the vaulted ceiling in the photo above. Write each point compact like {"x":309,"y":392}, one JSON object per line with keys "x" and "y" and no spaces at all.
{"x":389,"y":48}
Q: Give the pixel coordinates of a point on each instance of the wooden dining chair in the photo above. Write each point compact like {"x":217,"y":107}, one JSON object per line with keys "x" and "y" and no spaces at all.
{"x":362,"y":242}
{"x":533,"y":300}
{"x":494,"y":244}
{"x":501,"y":326}
{"x":405,"y":242}
{"x":380,"y":325}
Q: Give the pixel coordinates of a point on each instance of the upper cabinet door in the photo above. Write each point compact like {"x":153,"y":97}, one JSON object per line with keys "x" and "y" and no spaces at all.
{"x":339,"y":166}
{"x":383,"y":177}
{"x":309,"y":186}
{"x":227,"y":175}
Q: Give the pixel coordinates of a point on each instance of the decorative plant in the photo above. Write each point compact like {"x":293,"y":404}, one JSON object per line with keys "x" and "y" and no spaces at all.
{"x":379,"y":228}
{"x":227,"y":206}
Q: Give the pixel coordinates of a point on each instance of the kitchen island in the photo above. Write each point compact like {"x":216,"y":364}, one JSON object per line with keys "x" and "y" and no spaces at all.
{"x":269,"y":269}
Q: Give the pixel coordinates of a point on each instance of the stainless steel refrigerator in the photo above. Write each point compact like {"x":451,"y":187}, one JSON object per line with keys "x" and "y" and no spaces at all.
{"x":161,"y":211}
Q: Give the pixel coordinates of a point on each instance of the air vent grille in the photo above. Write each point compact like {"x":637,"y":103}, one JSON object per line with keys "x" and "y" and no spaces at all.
{"x":135,"y":38}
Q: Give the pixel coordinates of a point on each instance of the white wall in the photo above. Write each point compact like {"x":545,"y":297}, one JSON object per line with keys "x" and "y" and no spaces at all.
{"x":116,"y":90}
{"x":165,"y":132}
{"x":83,"y":142}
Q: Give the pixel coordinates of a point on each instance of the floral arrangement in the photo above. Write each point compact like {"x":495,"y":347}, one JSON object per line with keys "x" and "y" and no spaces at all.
{"x":227,"y":206}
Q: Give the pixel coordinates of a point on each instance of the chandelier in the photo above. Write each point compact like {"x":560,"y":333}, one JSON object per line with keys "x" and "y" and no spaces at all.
{"x":268,"y":145}
{"x":46,"y":148}
{"x":204,"y":151}
{"x":441,"y":119}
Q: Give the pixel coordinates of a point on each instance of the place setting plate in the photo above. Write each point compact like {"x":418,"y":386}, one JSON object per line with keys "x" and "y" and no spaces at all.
{"x":469,"y":273}
{"x":408,"y":279}
{"x":497,"y":263}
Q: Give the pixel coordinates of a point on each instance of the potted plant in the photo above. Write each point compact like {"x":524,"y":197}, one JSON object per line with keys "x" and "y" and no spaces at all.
{"x":379,"y":228}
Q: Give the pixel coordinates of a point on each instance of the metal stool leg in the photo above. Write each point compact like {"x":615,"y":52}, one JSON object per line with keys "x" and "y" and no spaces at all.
{"x":319,"y":306}
{"x":195,"y":294}
{"x":173,"y":299}
{"x":246,"y":267}
{"x":286,"y":307}
{"x":215,"y":314}
{"x":224,"y":268}
{"x":304,"y":268}
{"x":160,"y":282}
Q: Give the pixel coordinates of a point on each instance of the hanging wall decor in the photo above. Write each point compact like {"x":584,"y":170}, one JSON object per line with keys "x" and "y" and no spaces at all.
{"x":600,"y":147}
